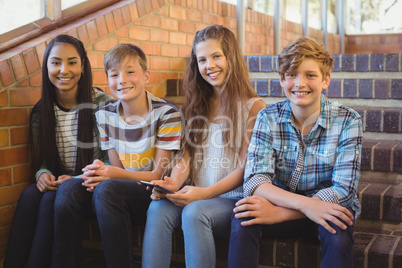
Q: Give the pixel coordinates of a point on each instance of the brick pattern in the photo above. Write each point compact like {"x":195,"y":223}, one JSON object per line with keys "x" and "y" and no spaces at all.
{"x":381,"y":156}
{"x":372,"y":44}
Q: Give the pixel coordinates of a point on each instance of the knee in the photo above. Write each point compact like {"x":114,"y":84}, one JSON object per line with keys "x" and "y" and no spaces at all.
{"x":161,"y":213}
{"x":194,"y":216}
{"x":342,"y":240}
{"x":69,"y":192}
{"x":30,"y":193}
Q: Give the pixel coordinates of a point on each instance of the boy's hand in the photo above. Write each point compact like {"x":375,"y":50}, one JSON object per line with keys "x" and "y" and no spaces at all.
{"x":95,"y":173}
{"x":46,"y":182}
{"x":186,"y":195}
{"x":320,"y":212}
{"x":259,"y":209}
{"x":167,"y":183}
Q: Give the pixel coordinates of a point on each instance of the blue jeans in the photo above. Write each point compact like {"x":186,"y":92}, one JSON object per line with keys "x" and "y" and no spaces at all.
{"x":200,"y":221}
{"x":117,"y":204}
{"x":31,"y":234}
{"x":244,"y":246}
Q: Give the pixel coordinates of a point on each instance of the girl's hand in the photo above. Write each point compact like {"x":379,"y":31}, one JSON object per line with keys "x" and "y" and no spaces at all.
{"x":167,"y":183}
{"x":62,"y":178}
{"x":187,"y":195}
{"x":46,"y":182}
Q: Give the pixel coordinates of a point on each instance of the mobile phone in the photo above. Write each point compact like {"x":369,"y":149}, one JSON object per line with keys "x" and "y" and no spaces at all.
{"x":150,"y":184}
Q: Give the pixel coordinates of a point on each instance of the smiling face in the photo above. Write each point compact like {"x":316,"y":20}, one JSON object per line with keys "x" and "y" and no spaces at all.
{"x":127,"y":81}
{"x":212,"y":63}
{"x":64,"y":68}
{"x":303,"y":87}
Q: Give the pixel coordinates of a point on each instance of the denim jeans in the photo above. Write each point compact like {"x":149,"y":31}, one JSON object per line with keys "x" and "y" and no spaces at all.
{"x":244,"y":246}
{"x":117,"y":204}
{"x":31,"y":234}
{"x":200,"y":221}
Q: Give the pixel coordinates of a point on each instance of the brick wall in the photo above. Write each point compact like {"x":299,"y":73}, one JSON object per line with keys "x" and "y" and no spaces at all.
{"x":370,"y":43}
{"x":163,"y":28}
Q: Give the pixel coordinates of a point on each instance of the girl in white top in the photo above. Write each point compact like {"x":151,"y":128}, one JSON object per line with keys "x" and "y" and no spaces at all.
{"x":220,"y":107}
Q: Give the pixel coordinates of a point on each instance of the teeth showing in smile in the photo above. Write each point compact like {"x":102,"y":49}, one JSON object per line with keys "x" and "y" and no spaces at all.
{"x":300,"y":93}
{"x":65,"y":79}
{"x":214,"y":74}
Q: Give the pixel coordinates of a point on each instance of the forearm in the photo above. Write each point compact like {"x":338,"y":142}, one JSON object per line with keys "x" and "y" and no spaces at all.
{"x":120,"y":173}
{"x":230,"y":182}
{"x":180,"y":173}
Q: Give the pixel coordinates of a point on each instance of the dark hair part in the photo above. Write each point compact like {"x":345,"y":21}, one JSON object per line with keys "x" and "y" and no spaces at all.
{"x":43,"y":147}
{"x":116,"y":55}
{"x":304,"y":48}
{"x":236,"y":89}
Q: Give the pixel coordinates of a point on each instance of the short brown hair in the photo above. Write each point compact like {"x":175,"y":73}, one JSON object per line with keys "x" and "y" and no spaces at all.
{"x":303,"y":47}
{"x":115,"y":56}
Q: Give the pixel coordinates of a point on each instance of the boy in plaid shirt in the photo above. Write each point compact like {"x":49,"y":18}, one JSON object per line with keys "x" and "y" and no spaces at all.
{"x":303,"y":165}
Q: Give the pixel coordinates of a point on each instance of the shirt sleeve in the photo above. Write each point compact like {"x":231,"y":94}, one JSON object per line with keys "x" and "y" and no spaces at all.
{"x":169,"y":130}
{"x":100,"y":122}
{"x":346,"y":170}
{"x":260,"y":166}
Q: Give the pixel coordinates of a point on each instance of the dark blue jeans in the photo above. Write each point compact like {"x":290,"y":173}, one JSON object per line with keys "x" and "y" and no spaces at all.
{"x":117,"y":205}
{"x":31,"y":234}
{"x":336,"y":250}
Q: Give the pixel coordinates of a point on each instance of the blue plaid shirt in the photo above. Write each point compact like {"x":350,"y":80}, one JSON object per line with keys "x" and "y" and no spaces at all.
{"x":331,"y":153}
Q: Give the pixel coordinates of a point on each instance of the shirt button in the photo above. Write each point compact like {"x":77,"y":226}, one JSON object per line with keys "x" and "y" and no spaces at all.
{"x":357,"y":152}
{"x":298,"y":169}
{"x":285,"y":147}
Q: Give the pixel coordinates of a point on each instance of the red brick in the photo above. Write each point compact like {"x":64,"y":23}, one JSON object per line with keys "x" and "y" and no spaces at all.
{"x":4,"y":233}
{"x":40,"y":51}
{"x":22,"y":174}
{"x":159,"y":64}
{"x":155,"y":78}
{"x":184,"y":51}
{"x":194,"y":15}
{"x":73,"y":32}
{"x":9,"y":195}
{"x":18,"y":67}
{"x":23,"y":83}
{"x":151,"y":48}
{"x":83,"y":35}
{"x":139,"y":33}
{"x":7,"y":215}
{"x":126,"y":14}
{"x":148,"y":6}
{"x":118,"y":18}
{"x":99,"y":78}
{"x":177,"y":13}
{"x":164,"y":12}
{"x":141,"y":8}
{"x":92,"y":31}
{"x":110,"y":22}
{"x":4,"y":137}
{"x":158,"y":91}
{"x":3,"y":98}
{"x":14,"y":156}
{"x":209,"y":19}
{"x":177,"y":38}
{"x":169,"y":24}
{"x":155,"y":4}
{"x":13,"y":117}
{"x":162,"y":3}
{"x":122,"y":33}
{"x":165,"y":76}
{"x":5,"y":178}
{"x":187,"y":27}
{"x":19,"y":135}
{"x":25,"y":97}
{"x":96,"y":60}
{"x":133,"y":11}
{"x":105,"y":44}
{"x":151,"y":21}
{"x":177,"y":64}
{"x":101,"y":24}
{"x":169,"y":50}
{"x":159,"y":36}
{"x":36,"y":80}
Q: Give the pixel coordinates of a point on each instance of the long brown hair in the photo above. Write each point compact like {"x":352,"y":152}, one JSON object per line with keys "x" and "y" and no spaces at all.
{"x":236,"y":90}
{"x":43,"y":146}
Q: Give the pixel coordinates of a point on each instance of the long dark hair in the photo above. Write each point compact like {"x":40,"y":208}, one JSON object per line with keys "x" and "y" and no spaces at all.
{"x":43,"y":146}
{"x":236,"y":90}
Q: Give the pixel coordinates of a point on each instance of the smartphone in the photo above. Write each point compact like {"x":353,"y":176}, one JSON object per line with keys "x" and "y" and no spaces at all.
{"x":162,"y":189}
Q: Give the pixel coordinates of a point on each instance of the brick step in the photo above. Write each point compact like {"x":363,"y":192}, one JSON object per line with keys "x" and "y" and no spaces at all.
{"x":381,"y":205}
{"x":384,"y":156}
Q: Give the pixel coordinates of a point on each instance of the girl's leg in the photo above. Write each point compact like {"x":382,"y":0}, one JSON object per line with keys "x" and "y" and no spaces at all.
{"x":42,"y":243}
{"x":200,"y":221}
{"x":72,"y":204}
{"x":162,"y":218}
{"x":118,"y":204}
{"x":23,"y":227}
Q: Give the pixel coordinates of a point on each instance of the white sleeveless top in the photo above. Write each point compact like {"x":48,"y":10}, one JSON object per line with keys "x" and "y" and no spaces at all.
{"x":218,"y":159}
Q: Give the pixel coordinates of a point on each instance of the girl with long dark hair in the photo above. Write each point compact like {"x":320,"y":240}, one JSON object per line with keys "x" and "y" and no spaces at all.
{"x":63,"y":139}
